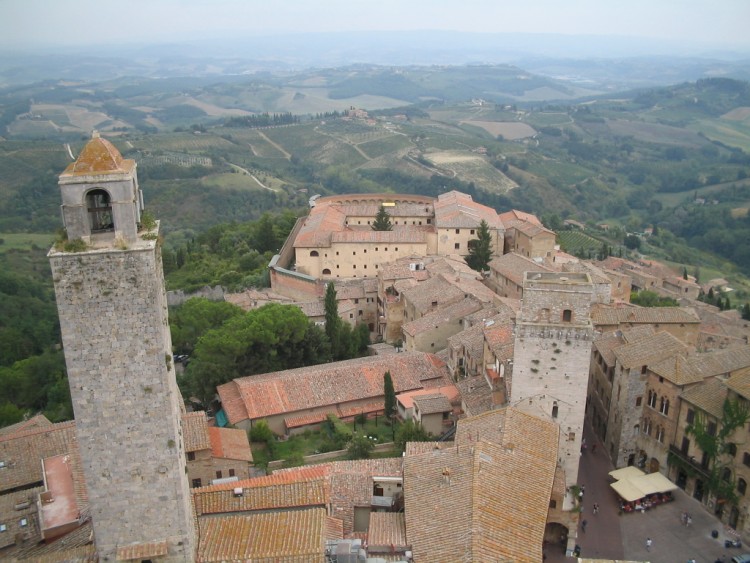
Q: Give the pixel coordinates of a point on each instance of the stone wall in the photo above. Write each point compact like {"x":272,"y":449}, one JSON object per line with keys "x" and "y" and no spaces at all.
{"x":177,"y":298}
{"x":113,"y":319}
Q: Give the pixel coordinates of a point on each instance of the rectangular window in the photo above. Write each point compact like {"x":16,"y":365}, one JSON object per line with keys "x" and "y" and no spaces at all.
{"x":191,"y":456}
{"x":196,"y":483}
{"x":571,"y":436}
{"x":231,"y":472}
{"x":218,"y":474}
{"x":711,"y":429}
{"x":457,"y":245}
{"x":690,"y":416}
{"x":638,"y":401}
{"x":471,"y":231}
{"x":746,"y":459}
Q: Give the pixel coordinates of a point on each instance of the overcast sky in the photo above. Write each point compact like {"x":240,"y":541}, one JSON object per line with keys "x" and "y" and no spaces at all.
{"x":25,"y":23}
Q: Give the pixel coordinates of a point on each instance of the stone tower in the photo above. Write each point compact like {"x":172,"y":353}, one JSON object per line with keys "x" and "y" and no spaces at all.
{"x":552,"y":354}
{"x":118,"y":351}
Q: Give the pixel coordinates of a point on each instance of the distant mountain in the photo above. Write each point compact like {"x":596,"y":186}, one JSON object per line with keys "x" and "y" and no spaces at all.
{"x":594,"y":62}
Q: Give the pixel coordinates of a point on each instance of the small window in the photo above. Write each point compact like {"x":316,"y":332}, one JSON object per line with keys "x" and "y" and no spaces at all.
{"x":746,"y":459}
{"x":554,"y":411}
{"x":196,"y":483}
{"x":231,"y":472}
{"x":457,"y":245}
{"x":218,"y":474}
{"x":741,"y":486}
{"x":326,"y":272}
{"x":638,"y":401}
{"x":690,"y":416}
{"x":354,"y":253}
{"x":458,"y":231}
{"x":732,"y":449}
{"x":23,"y":523}
{"x":643,"y":369}
{"x":351,"y":315}
{"x":191,"y":456}
{"x":711,"y":429}
{"x":472,"y":231}
{"x":552,"y":503}
{"x":314,"y":253}
{"x":567,"y":315}
{"x":571,"y":436}
{"x":3,"y":527}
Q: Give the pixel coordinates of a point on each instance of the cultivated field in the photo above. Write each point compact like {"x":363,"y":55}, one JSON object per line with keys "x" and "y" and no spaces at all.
{"x":655,"y":133}
{"x":510,"y":130}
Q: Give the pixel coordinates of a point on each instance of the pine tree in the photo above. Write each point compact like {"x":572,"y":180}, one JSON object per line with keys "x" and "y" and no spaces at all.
{"x":333,"y":321}
{"x":390,"y":396}
{"x":382,"y":221}
{"x":480,"y":249}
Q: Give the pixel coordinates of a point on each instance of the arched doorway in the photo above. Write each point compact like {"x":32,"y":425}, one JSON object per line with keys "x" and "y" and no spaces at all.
{"x":653,"y":465}
{"x":99,"y":209}
{"x":555,"y":537}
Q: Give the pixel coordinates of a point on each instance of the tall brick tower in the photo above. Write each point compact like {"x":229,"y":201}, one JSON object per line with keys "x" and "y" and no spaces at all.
{"x":118,"y":351}
{"x":552,"y":354}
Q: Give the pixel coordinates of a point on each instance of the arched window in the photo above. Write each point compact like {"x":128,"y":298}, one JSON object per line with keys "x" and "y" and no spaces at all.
{"x":567,"y":315}
{"x":647,"y":427}
{"x":314,"y":253}
{"x":99,"y":209}
{"x":660,"y":434}
{"x":741,"y":486}
{"x":326,"y":272}
{"x":664,"y":406}
{"x":726,"y":474}
{"x":554,"y":410}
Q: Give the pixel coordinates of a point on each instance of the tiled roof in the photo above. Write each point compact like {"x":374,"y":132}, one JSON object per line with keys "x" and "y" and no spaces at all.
{"x":387,"y":529}
{"x":11,"y":516}
{"x":532,"y":229}
{"x":646,"y":352}
{"x":318,"y":226}
{"x":457,"y":210}
{"x":476,"y":395}
{"x":325,"y":385}
{"x":334,"y":528}
{"x":434,"y":290}
{"x":432,"y":403}
{"x":608,"y":315}
{"x":22,"y":452}
{"x":195,"y":431}
{"x":443,"y":315}
{"x":313,"y":492}
{"x":99,"y":156}
{"x":230,"y":443}
{"x":513,"y":266}
{"x":493,"y":498}
{"x":278,"y":477}
{"x":450,"y":392}
{"x":307,"y":419}
{"x":289,"y":537}
{"x":142,"y":551}
{"x":606,"y":344}
{"x":633,"y":334}
{"x":709,"y":396}
{"x":471,"y":340}
{"x":499,"y":337}
{"x":38,"y":421}
{"x":514,"y":216}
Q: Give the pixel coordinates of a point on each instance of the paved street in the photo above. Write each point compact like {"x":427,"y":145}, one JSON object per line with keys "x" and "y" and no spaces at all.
{"x":612,"y":536}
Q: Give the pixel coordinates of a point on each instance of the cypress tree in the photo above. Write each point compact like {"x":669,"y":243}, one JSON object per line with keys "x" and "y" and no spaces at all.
{"x":480,"y":249}
{"x":382,"y":221}
{"x":333,"y":321}
{"x":390,"y":396}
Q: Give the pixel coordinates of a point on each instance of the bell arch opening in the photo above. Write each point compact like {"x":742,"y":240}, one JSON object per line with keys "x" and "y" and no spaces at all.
{"x":99,"y":208}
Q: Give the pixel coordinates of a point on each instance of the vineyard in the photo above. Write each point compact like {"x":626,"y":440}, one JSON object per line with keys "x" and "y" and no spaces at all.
{"x":578,"y":243}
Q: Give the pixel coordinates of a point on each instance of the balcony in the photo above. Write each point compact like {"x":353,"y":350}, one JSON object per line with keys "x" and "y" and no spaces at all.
{"x":690,"y":460}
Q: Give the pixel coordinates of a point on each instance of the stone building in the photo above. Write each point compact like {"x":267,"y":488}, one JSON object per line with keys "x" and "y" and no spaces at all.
{"x":118,"y":351}
{"x":507,"y":274}
{"x":551,"y":356}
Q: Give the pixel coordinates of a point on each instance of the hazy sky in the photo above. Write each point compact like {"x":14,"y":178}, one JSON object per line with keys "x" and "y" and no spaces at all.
{"x":74,"y":22}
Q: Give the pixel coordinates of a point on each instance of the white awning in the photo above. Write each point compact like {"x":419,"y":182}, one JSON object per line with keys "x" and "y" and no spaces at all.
{"x":626,"y":472}
{"x":639,"y":486}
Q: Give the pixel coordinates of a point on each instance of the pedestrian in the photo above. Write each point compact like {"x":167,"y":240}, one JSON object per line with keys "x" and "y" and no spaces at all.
{"x":683,"y":518}
{"x":583,"y":526}
{"x":689,"y":520}
{"x":648,"y":544}
{"x":596,"y":508}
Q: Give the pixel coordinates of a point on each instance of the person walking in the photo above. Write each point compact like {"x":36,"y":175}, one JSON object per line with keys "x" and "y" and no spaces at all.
{"x":583,"y":526}
{"x":596,"y":508}
{"x":648,"y":544}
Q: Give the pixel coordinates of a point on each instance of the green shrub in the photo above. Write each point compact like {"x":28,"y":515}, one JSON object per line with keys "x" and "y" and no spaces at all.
{"x":261,"y":432}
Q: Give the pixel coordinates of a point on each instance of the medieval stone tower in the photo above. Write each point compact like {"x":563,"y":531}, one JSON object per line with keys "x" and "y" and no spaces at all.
{"x":113,"y":316}
{"x":552,"y":354}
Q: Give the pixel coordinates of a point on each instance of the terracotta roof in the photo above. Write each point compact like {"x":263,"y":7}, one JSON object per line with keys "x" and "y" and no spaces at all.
{"x":74,"y":547}
{"x":23,"y":451}
{"x":195,"y":431}
{"x":230,"y":443}
{"x":450,"y":392}
{"x":458,"y":210}
{"x":434,"y":290}
{"x":38,"y":421}
{"x":310,"y":492}
{"x":325,"y":385}
{"x":709,"y":396}
{"x":11,"y":516}
{"x":387,"y":530}
{"x":609,"y":315}
{"x":432,"y":403}
{"x":278,"y":477}
{"x":532,"y":229}
{"x":288,"y":536}
{"x":99,"y":156}
{"x":606,"y":344}
{"x":334,"y":528}
{"x":513,"y":266}
{"x":476,"y":395}
{"x":449,"y":313}
{"x":514,"y":216}
{"x":307,"y":419}
{"x":493,"y":498}
{"x":646,"y":352}
{"x":633,"y":334}
{"x":142,"y":551}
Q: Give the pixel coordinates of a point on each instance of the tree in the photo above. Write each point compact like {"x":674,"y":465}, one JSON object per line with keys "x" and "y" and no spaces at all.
{"x":333,"y":321}
{"x":195,"y":317}
{"x":410,"y":431}
{"x":362,"y":337}
{"x":633,"y":242}
{"x":360,"y":447}
{"x":480,"y":249}
{"x":382,"y":221}
{"x":390,"y":396}
{"x":746,"y":312}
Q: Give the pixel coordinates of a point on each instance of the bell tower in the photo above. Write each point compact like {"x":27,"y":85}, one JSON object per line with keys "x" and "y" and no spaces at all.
{"x":118,"y":351}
